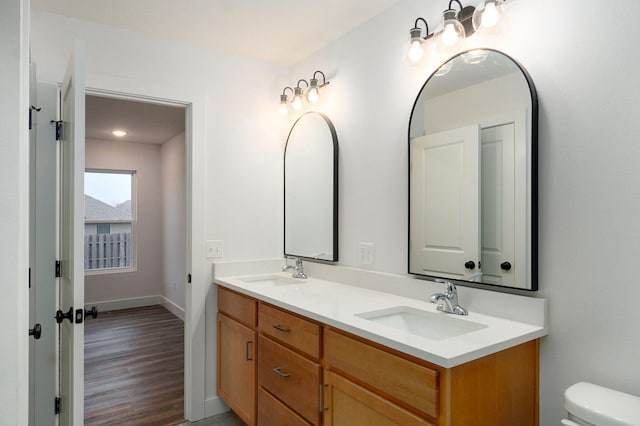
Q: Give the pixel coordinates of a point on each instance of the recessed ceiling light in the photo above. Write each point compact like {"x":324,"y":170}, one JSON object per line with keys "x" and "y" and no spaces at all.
{"x":119,"y":133}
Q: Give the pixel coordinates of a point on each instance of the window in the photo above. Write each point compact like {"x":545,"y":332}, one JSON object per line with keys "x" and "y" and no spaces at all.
{"x":108,"y":220}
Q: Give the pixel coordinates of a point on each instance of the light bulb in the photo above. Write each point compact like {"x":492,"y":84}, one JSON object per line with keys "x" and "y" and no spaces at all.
{"x":416,"y":51}
{"x":283,"y":110}
{"x":313,"y":95}
{"x":297,"y":102}
{"x":449,"y":35}
{"x":452,"y":29}
{"x":490,"y":16}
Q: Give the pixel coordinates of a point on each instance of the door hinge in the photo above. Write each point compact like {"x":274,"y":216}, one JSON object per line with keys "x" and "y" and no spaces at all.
{"x":58,"y":124}
{"x":58,"y":269}
{"x":56,"y":405}
{"x":29,"y":277}
{"x":31,"y":109}
{"x":189,"y":278}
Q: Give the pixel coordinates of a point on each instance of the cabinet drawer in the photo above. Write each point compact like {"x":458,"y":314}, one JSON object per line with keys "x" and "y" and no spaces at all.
{"x":399,"y":379}
{"x":273,"y":412}
{"x":290,"y":329}
{"x":241,"y":308}
{"x":290,"y":377}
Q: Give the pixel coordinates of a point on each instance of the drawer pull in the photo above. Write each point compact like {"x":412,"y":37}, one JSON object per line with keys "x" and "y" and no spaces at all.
{"x":246,"y":350}
{"x":321,"y":397}
{"x":280,"y":373}
{"x":281,"y":328}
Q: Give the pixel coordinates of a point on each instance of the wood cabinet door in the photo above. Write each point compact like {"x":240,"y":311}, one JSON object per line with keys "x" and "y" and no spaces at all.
{"x":237,"y":367}
{"x":347,"y":404}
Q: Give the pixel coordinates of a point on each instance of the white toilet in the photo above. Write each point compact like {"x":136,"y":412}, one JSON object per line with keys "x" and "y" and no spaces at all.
{"x":593,"y":405}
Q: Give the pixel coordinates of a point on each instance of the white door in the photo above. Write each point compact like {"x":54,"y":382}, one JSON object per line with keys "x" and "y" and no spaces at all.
{"x":445,"y":201}
{"x":498,"y":205}
{"x":71,"y":242}
{"x":43,"y":224}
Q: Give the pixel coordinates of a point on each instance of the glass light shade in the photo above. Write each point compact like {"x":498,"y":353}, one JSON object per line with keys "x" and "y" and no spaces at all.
{"x":489,"y":17}
{"x":313,"y":94}
{"x":415,"y":50}
{"x":283,"y":110}
{"x":452,"y":29}
{"x":297,"y":98}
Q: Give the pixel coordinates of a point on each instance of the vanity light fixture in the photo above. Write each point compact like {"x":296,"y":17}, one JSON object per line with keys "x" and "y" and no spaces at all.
{"x":486,"y":19}
{"x":312,"y":94}
{"x":284,"y":108}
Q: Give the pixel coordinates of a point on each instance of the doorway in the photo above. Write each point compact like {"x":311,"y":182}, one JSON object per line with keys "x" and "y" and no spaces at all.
{"x":135,"y":235}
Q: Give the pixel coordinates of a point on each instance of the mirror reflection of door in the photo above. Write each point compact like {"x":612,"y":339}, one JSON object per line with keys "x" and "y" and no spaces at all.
{"x":445,"y":197}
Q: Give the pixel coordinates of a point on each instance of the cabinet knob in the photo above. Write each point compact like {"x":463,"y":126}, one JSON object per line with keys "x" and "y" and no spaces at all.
{"x":36,"y":331}
{"x":470,"y":264}
{"x":505,"y":266}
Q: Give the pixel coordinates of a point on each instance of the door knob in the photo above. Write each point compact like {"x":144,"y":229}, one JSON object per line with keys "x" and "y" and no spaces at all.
{"x":36,"y":331}
{"x":61,"y":316}
{"x":93,"y":312}
{"x":470,"y":264}
{"x":505,"y":266}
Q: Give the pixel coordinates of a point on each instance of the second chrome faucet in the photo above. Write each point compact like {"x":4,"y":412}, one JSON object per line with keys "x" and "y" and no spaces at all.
{"x":448,"y":301}
{"x":298,"y":269}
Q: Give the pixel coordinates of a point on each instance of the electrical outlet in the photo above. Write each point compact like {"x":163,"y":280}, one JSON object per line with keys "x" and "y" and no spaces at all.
{"x":214,"y":249}
{"x":366,"y":253}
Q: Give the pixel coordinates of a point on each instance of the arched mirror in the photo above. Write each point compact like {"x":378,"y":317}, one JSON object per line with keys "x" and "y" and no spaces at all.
{"x":311,"y":189}
{"x":473,"y":173}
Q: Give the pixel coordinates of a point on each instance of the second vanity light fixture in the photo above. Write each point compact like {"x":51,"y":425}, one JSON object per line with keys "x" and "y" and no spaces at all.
{"x":486,"y":19}
{"x":312,"y":93}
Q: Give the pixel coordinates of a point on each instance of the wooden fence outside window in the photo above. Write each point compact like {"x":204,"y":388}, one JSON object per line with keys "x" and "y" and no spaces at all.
{"x":103,"y":251}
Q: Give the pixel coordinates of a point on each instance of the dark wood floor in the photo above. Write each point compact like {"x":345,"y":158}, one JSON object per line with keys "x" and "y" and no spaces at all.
{"x":134,"y":368}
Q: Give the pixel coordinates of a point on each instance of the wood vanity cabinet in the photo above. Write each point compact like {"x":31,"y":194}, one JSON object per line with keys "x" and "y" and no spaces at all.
{"x":237,"y":353}
{"x":309,"y":373}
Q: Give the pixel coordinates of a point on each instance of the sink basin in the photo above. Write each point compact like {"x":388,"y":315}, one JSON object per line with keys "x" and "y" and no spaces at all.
{"x":273,"y":280}
{"x":430,"y":325}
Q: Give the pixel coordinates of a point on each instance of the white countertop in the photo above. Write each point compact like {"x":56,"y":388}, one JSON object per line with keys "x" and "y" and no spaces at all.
{"x":337,"y":304}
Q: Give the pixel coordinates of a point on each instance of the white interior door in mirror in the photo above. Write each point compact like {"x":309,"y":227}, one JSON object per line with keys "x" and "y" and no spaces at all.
{"x":497,"y":205}
{"x":445,"y":203}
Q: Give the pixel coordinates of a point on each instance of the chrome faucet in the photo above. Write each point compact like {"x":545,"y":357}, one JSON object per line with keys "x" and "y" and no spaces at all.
{"x":297,"y":268}
{"x":448,"y":301}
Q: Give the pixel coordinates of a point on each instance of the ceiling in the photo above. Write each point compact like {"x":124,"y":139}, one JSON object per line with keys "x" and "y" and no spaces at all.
{"x":282,"y":32}
{"x":143,"y":122}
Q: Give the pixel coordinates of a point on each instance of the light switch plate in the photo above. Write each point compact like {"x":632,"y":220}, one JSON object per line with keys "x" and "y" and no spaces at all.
{"x":214,"y":249}
{"x":366,"y":253}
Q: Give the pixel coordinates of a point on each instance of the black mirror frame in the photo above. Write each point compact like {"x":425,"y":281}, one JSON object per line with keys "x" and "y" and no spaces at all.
{"x":534,"y":180}
{"x":334,"y":137}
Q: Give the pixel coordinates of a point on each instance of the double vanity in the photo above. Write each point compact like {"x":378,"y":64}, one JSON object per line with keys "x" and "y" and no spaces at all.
{"x":316,"y":351}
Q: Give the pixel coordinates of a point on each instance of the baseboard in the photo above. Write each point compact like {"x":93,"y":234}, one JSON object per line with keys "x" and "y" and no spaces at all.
{"x":138,"y":302}
{"x":172,"y":307}
{"x":116,"y":305}
{"x":214,"y":406}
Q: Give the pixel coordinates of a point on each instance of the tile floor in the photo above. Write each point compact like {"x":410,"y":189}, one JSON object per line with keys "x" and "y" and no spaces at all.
{"x":225,"y":419}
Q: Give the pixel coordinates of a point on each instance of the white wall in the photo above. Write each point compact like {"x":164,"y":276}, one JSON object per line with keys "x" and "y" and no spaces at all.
{"x":584,"y":66}
{"x":174,"y":219}
{"x":146,"y":278}
{"x":236,"y":152}
{"x":14,"y":205}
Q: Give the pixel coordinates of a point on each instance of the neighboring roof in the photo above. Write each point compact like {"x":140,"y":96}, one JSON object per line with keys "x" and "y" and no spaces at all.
{"x":95,"y":210}
{"x":125,"y":206}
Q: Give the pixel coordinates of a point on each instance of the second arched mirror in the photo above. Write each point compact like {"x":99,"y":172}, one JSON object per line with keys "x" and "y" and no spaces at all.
{"x":311,"y":189}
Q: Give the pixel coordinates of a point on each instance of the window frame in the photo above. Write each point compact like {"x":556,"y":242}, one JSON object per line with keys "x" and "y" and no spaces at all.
{"x":134,"y":214}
